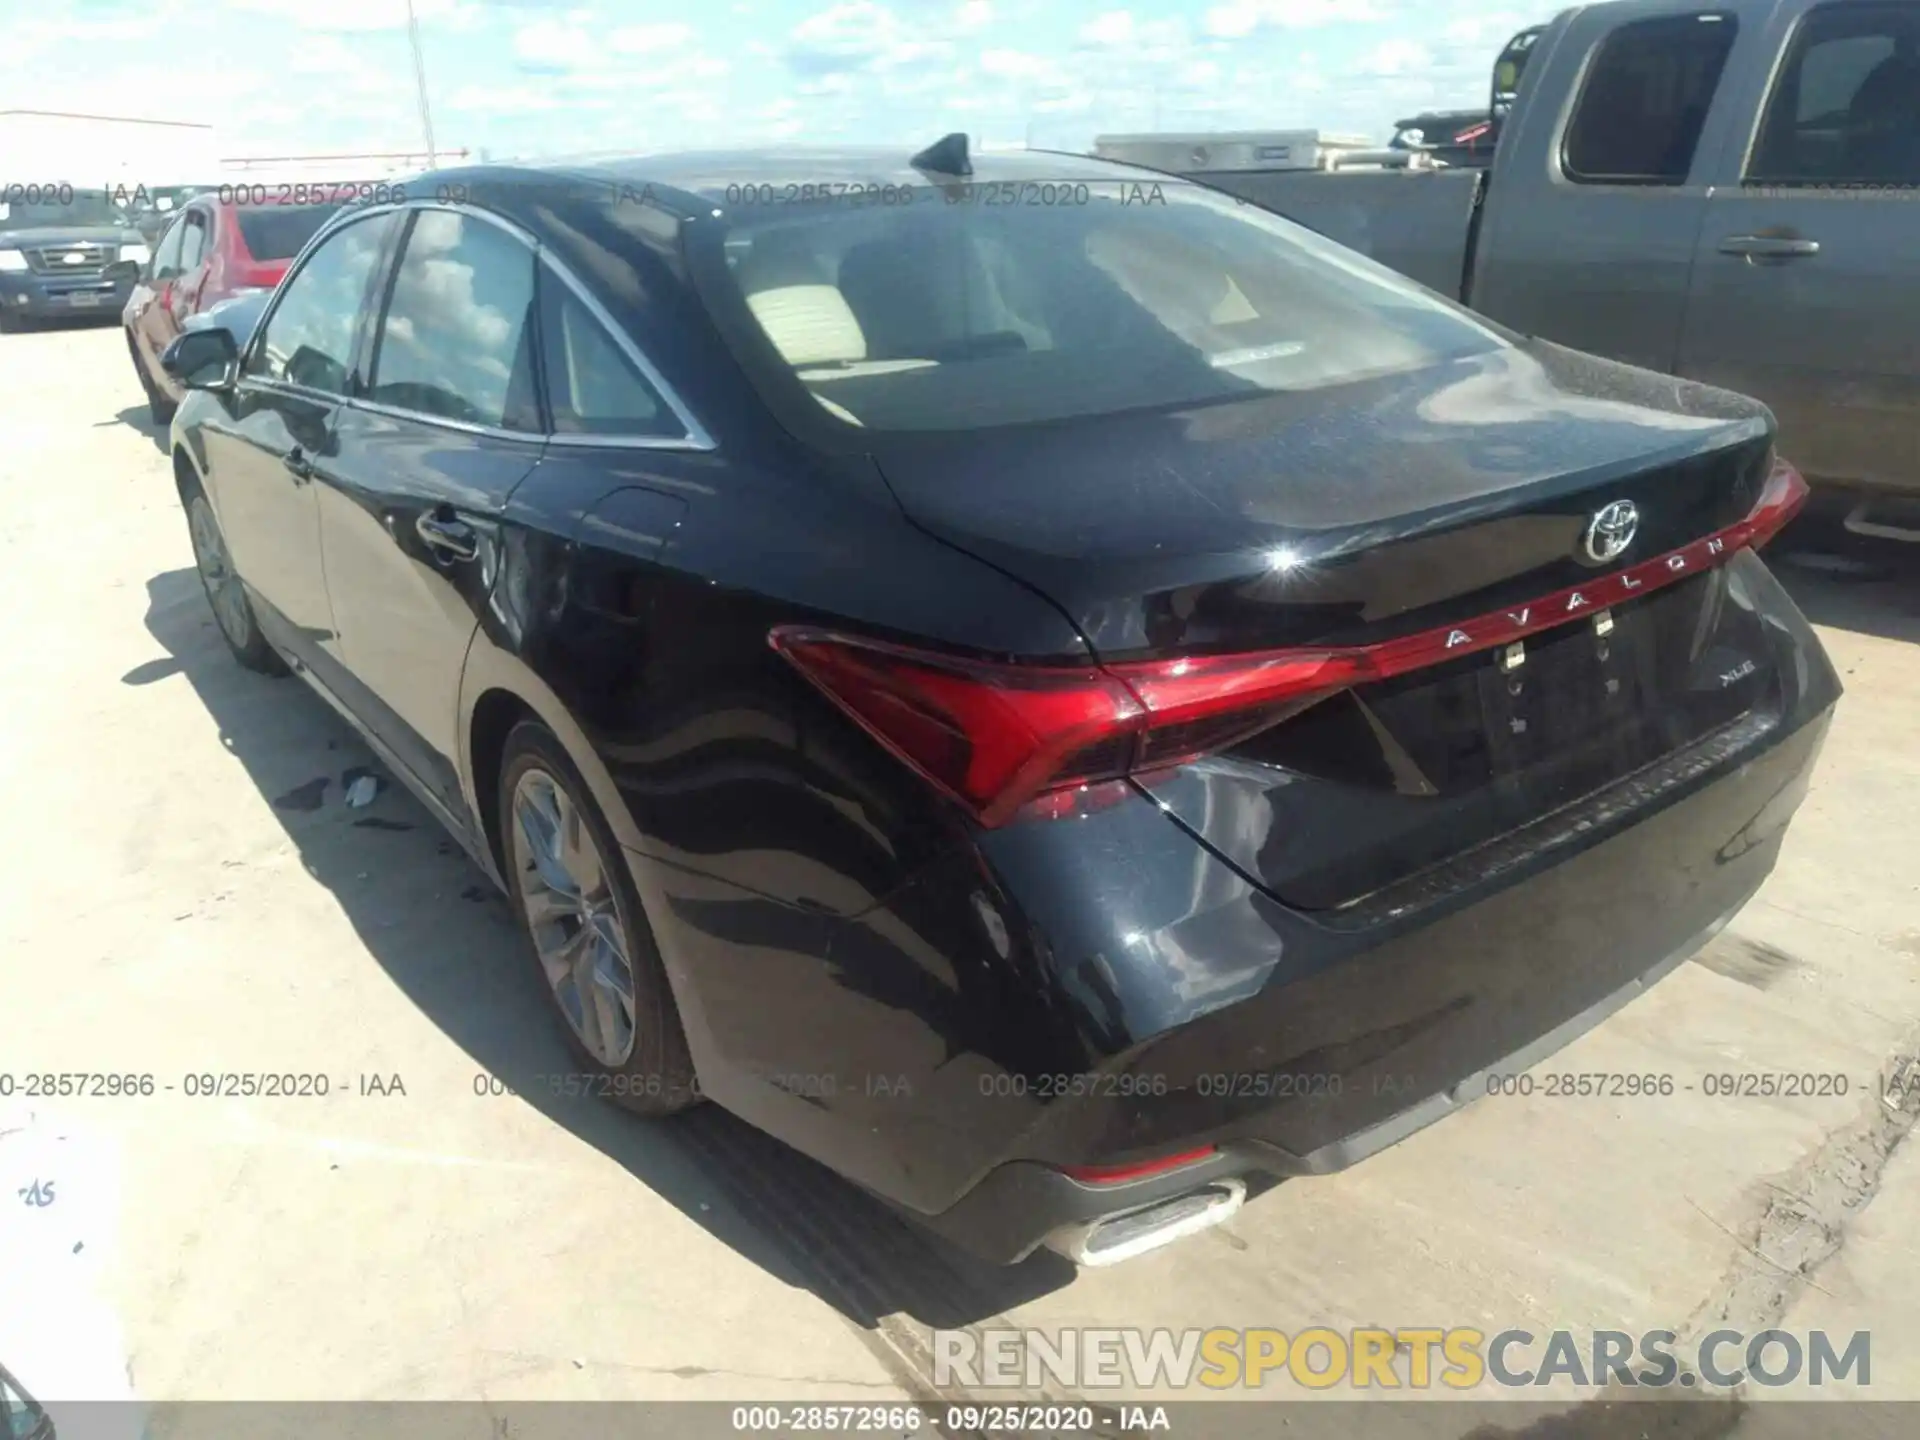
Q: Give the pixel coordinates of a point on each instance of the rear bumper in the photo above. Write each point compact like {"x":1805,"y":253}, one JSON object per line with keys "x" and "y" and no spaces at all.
{"x":1020,"y":1205}
{"x":1371,"y":1044}
{"x":1431,"y":1015}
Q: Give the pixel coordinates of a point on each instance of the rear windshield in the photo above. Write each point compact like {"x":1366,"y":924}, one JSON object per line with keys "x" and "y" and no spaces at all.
{"x":952,"y":311}
{"x":276,"y":232}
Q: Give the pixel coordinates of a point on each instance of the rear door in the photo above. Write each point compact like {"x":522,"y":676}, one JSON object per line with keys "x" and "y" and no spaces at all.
{"x":1805,"y":291}
{"x":446,"y":427}
{"x":1591,"y":221}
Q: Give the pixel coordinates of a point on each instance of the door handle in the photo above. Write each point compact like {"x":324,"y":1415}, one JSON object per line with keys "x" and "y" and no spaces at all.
{"x":448,"y":538}
{"x":298,"y":465}
{"x":1769,"y":247}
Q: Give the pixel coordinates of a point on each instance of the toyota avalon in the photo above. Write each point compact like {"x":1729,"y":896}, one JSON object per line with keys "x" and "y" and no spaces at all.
{"x":1055,"y":692}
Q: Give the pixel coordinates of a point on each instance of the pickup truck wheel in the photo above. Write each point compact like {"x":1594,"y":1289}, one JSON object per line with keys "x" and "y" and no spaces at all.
{"x":232,"y":610}
{"x":579,"y":910}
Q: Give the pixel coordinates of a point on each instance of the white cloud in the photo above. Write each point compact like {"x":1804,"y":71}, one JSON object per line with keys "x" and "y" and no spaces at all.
{"x":556,"y":43}
{"x":860,"y":35}
{"x":1397,"y":57}
{"x":974,"y":15}
{"x":648,"y":39}
{"x":1021,"y":65}
{"x":1239,"y":18}
{"x":1116,"y":27}
{"x":350,"y":14}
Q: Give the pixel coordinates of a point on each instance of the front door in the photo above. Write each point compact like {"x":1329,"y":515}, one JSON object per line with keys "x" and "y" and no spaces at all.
{"x":1805,"y":291}
{"x":277,"y":439}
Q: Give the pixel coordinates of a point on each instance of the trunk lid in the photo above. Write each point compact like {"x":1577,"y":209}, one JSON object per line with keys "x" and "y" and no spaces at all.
{"x":1431,"y":519}
{"x":1351,"y":513}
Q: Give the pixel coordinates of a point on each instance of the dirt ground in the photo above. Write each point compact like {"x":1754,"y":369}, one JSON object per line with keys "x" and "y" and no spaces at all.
{"x":180,"y":897}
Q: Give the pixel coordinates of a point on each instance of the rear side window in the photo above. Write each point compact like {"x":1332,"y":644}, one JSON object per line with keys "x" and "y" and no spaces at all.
{"x":456,"y":341}
{"x":1845,"y":110}
{"x":592,"y":387}
{"x":276,"y":232}
{"x":1645,"y":99}
{"x":309,"y":337}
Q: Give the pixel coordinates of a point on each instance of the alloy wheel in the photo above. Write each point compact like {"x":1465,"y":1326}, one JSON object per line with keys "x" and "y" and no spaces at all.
{"x":573,"y":918}
{"x":224,"y":591}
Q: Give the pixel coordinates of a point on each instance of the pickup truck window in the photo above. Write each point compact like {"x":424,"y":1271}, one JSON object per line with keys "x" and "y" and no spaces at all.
{"x":1845,"y":110}
{"x":1645,"y":99}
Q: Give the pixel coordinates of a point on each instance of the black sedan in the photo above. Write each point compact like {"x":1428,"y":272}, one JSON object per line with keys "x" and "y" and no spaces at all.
{"x":1055,"y":692}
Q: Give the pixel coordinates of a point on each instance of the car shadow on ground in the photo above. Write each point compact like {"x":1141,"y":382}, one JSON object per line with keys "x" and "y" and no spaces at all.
{"x":137,"y":417}
{"x":447,"y":939}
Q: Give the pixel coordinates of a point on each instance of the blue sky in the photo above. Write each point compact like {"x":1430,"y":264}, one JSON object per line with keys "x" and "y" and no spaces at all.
{"x":531,"y":77}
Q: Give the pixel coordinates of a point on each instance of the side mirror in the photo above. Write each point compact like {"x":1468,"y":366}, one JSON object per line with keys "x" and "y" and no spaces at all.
{"x":202,"y":359}
{"x":125,"y":272}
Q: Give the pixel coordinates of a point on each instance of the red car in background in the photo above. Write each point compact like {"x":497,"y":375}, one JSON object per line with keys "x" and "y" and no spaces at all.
{"x":216,"y":249}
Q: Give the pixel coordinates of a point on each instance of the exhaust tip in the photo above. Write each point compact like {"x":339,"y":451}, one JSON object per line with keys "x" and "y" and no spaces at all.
{"x":1113,"y":1238}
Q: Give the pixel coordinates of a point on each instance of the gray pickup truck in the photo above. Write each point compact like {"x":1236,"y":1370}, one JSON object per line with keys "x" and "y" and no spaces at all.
{"x":1728,"y":192}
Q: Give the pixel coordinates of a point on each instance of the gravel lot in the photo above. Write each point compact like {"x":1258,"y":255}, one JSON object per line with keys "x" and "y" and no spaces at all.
{"x":180,"y":896}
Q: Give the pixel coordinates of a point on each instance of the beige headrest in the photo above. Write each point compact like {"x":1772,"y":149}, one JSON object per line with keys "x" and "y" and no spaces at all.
{"x":809,"y":324}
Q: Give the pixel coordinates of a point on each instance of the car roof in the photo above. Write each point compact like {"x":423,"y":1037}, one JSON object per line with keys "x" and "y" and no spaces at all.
{"x":692,"y":182}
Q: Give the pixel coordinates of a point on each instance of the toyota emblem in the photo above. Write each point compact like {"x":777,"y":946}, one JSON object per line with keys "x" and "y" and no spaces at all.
{"x":1611,"y":530}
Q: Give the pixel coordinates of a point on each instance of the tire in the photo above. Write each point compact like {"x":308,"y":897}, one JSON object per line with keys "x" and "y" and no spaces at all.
{"x":160,"y":409}
{"x":632,"y":1048}
{"x":226,"y":595}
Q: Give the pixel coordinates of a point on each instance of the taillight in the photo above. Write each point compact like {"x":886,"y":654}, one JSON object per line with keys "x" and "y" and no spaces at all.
{"x":996,"y":736}
{"x":1782,"y":498}
{"x":992,"y":736}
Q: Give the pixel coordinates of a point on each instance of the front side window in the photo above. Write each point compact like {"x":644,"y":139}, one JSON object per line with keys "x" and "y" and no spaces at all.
{"x":308,"y":339}
{"x":456,"y":341}
{"x":1645,"y":101}
{"x":960,"y":316}
{"x":592,"y":387}
{"x":1845,"y":110}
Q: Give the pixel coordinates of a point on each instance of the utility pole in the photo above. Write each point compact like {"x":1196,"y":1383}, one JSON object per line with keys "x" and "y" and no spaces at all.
{"x":420,"y":85}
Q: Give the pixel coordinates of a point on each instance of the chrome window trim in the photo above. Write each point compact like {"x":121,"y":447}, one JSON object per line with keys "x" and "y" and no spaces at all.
{"x":257,"y":341}
{"x":444,"y":422}
{"x":696,"y":436}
